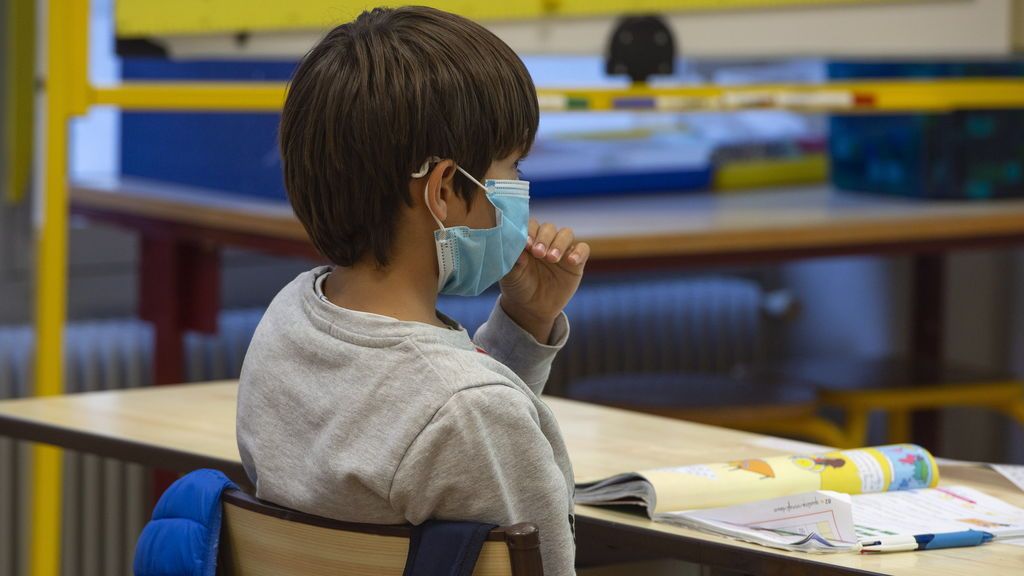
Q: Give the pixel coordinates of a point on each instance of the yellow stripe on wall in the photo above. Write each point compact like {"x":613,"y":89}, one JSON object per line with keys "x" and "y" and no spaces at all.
{"x":150,"y":18}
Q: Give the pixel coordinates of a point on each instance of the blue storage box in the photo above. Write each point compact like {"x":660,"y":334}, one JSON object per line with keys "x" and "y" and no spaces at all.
{"x":972,"y":154}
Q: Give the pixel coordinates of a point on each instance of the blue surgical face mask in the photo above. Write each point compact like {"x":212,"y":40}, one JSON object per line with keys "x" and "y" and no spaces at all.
{"x":470,"y":260}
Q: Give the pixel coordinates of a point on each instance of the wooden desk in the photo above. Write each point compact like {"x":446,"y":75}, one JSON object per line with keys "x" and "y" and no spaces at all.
{"x":777,"y":223}
{"x":183,"y":229}
{"x":191,"y":426}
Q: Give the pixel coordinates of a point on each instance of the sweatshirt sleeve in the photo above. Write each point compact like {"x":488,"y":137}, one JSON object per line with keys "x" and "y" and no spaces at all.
{"x":516,"y":348}
{"x":484,"y":458}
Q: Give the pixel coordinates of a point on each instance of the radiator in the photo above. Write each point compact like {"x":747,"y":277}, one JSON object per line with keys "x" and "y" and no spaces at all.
{"x":106,"y":502}
{"x":656,"y":325}
{"x":709,"y":325}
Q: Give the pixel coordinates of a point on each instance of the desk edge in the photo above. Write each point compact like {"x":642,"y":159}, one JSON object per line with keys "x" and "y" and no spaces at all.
{"x":116,"y":448}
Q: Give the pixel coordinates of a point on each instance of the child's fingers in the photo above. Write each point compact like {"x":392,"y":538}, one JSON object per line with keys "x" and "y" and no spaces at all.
{"x":578,"y":255}
{"x":542,"y":239}
{"x":561,"y":244}
{"x":531,"y":232}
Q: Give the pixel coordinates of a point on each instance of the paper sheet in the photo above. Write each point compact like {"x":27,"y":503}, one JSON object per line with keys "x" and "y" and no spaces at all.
{"x":947,"y":509}
{"x":812,"y":522}
{"x":826,"y":521}
{"x":1012,"y":473}
{"x":952,"y":463}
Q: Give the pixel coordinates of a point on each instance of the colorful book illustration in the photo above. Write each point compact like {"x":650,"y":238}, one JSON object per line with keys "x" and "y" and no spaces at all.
{"x":878,"y":469}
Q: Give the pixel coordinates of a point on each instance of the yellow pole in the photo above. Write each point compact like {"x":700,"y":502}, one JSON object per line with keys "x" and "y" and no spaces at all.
{"x":66,"y":95}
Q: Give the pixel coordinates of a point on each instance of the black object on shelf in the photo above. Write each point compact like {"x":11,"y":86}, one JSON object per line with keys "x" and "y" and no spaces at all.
{"x":640,"y":47}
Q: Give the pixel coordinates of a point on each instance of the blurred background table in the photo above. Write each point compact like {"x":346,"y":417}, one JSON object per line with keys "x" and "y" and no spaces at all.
{"x":184,"y":229}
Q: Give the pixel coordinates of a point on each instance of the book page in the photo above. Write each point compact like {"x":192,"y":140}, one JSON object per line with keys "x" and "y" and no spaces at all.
{"x":727,"y":483}
{"x":947,"y":509}
{"x":789,"y":446}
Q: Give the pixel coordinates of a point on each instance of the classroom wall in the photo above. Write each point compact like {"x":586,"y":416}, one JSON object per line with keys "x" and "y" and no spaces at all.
{"x":978,"y":327}
{"x":1015,"y":435}
{"x":102,"y":259}
{"x":861,"y":306}
{"x":1017,"y":25}
{"x":849,"y":306}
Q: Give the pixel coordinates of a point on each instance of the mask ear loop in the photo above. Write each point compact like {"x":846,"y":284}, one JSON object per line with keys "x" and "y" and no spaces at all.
{"x":470,"y":176}
{"x":497,"y":213}
{"x":426,"y":191}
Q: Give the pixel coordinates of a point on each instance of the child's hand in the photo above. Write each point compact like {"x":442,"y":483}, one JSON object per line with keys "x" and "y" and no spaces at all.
{"x":544,"y":278}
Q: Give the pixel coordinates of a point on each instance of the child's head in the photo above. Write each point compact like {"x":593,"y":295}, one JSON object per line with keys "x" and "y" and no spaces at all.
{"x":376,"y":98}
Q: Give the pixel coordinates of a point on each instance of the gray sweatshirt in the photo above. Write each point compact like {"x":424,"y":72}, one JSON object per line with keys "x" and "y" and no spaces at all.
{"x":365,"y":418}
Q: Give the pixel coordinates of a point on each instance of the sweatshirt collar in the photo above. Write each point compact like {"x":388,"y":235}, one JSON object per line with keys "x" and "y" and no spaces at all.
{"x":355,"y":322}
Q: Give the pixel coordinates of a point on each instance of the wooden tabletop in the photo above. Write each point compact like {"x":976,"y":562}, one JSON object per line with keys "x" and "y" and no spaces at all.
{"x":782,"y":221}
{"x":190,"y":426}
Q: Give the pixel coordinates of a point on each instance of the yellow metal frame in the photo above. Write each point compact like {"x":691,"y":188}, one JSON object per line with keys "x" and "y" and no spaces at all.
{"x":940,"y":95}
{"x":69,"y":94}
{"x":209,"y":96}
{"x":936,"y":95}
{"x":67,"y":24}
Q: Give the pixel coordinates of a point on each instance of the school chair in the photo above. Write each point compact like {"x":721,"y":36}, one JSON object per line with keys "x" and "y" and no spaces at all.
{"x":261,"y":539}
{"x":858,"y":388}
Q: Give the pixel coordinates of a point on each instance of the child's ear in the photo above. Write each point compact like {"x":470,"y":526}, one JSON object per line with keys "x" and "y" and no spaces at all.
{"x":441,"y":189}
{"x":447,"y":170}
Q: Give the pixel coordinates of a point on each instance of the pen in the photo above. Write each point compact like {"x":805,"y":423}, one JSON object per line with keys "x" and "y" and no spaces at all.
{"x":927,"y":541}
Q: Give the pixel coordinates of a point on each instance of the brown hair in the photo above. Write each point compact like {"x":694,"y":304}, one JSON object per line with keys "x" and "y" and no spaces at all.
{"x":378,"y":96}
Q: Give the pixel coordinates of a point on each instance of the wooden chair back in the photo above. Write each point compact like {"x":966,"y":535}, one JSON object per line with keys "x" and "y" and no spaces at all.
{"x":261,"y":539}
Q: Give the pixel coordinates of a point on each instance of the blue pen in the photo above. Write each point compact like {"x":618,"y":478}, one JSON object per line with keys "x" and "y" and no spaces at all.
{"x":927,"y":541}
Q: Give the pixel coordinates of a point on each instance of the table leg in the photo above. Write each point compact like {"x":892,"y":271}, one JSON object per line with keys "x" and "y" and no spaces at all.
{"x":927,"y":336}
{"x":179,"y":290}
{"x":160,"y":305}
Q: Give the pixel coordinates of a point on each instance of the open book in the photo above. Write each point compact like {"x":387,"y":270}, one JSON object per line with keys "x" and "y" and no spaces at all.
{"x":826,"y":521}
{"x":879,"y":469}
{"x":798,"y":502}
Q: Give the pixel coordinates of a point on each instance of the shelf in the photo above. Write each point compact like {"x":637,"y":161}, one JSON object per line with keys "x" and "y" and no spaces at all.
{"x":838,"y":97}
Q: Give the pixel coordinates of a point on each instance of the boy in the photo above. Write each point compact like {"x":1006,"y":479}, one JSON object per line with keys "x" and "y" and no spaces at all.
{"x":400,"y":137}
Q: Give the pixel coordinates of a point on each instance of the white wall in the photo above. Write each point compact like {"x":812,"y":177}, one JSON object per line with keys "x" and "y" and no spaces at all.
{"x":861,"y":307}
